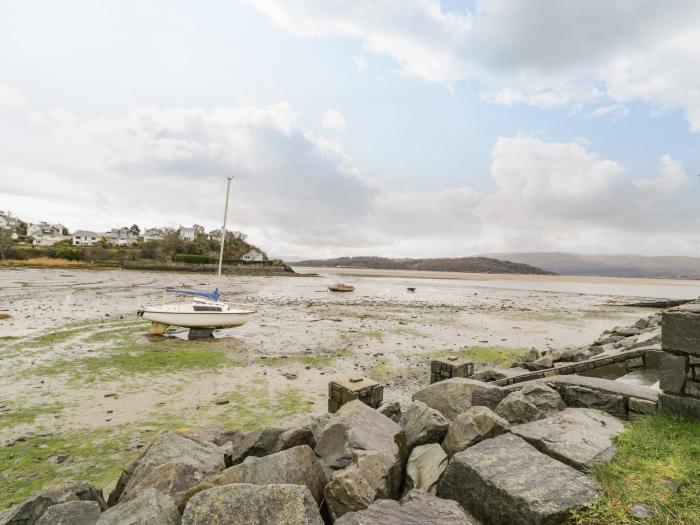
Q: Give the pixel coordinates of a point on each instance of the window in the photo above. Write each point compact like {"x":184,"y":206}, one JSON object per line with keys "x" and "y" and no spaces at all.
{"x":203,"y":308}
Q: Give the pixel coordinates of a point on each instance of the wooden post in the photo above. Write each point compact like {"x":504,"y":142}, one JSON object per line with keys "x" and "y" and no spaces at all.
{"x":157,"y":328}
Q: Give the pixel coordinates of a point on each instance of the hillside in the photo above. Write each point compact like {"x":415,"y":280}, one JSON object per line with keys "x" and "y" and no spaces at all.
{"x":609,"y":265}
{"x":460,"y":264}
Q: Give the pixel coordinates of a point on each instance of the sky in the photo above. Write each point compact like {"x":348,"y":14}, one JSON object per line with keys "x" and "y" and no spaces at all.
{"x":400,"y":128}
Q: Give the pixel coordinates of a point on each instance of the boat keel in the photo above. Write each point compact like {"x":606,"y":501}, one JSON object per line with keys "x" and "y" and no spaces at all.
{"x":200,"y":333}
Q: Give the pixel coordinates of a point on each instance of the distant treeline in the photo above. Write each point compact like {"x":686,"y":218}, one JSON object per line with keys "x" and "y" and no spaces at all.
{"x":458,"y":264}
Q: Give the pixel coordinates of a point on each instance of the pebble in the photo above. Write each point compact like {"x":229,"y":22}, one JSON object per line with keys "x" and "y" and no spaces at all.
{"x":640,"y":510}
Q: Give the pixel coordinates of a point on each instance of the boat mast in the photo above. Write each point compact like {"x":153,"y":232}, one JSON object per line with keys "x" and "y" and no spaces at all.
{"x":223,"y":235}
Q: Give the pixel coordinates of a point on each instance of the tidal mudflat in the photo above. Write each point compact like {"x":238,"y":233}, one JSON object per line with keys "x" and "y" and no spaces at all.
{"x":83,"y":387}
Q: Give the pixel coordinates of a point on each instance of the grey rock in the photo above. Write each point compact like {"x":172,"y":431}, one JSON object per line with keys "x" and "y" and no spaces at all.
{"x":681,"y":406}
{"x":424,"y":467}
{"x":294,"y":437}
{"x":580,"y":437}
{"x":506,"y":481}
{"x":581,"y":397}
{"x":423,"y":424}
{"x":150,"y":507}
{"x":211,"y":434}
{"x":641,"y":406}
{"x":71,"y":513}
{"x":470,"y":427}
{"x":391,"y":410}
{"x":259,"y":442}
{"x":680,"y":331}
{"x":416,"y":508}
{"x":172,"y":479}
{"x":62,"y":491}
{"x":294,"y":466}
{"x":646,"y":339}
{"x":571,"y":354}
{"x":641,"y":511}
{"x":247,"y":504}
{"x":167,"y":447}
{"x":534,"y":401}
{"x":453,"y":396}
{"x":363,"y":451}
{"x":607,"y":386}
{"x":488,"y":375}
{"x":672,"y":373}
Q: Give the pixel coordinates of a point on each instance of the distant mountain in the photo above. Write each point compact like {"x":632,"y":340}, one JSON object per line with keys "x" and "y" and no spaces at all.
{"x":461,"y":264}
{"x":609,"y":265}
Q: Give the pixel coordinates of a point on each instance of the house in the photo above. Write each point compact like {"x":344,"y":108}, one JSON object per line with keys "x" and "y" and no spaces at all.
{"x":45,"y":234}
{"x":86,"y":238}
{"x":8,"y":222}
{"x":153,"y":234}
{"x":215,"y":235}
{"x":187,"y":234}
{"x":122,"y":237}
{"x":253,"y":255}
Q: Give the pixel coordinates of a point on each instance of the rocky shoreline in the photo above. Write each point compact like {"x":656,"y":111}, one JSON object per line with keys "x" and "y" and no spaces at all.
{"x":463,"y":451}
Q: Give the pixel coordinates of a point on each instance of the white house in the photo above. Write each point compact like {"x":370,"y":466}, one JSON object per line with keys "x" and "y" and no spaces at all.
{"x":122,"y":237}
{"x":187,"y":234}
{"x":8,"y":222}
{"x":86,"y":238}
{"x":45,"y":234}
{"x":253,"y":255}
{"x":153,"y":234}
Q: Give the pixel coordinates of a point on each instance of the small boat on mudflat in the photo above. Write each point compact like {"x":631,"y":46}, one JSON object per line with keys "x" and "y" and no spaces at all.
{"x":341,"y":287}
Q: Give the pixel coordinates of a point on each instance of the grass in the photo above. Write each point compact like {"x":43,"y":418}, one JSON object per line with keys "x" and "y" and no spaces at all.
{"x":45,"y":262}
{"x":317,"y":361}
{"x":27,"y":415}
{"x":651,"y":452}
{"x":497,"y":355}
{"x":380,"y":369}
{"x":374,"y":334}
{"x":408,"y":332}
{"x":51,"y":338}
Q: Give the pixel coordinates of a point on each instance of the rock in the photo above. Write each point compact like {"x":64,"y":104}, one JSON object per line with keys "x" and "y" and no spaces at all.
{"x":541,"y":363}
{"x":211,"y":434}
{"x":646,"y":339}
{"x":424,"y":467}
{"x":641,"y":406}
{"x":71,"y":513}
{"x":674,"y":486}
{"x":453,"y":396}
{"x":423,"y":425}
{"x":416,"y":508}
{"x":488,"y":374}
{"x":672,"y":373}
{"x":506,"y":481}
{"x":580,"y":437}
{"x":363,"y":452}
{"x":685,"y":407}
{"x":680,"y":331}
{"x":295,"y":466}
{"x":259,"y":442}
{"x":294,"y":437}
{"x":470,"y":427}
{"x":246,"y":504}
{"x":168,"y":447}
{"x":571,"y":354}
{"x":172,"y":479}
{"x":533,"y":401}
{"x":641,"y":511}
{"x":582,"y":397}
{"x":150,"y":507}
{"x":63,"y":491}
{"x":391,"y":410}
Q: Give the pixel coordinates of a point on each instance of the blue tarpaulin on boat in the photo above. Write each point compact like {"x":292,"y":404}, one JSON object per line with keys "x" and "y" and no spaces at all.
{"x":214,"y":296}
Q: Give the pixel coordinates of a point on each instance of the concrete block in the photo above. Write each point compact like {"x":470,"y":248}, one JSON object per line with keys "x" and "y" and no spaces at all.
{"x":672,"y":373}
{"x":344,"y":390}
{"x":448,"y":367}
{"x":641,"y":406}
{"x":581,"y":397}
{"x":685,"y":407}
{"x":692,"y":388}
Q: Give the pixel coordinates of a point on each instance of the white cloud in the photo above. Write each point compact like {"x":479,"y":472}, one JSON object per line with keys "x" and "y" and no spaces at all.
{"x":11,"y":97}
{"x":614,"y":111}
{"x":360,"y":62}
{"x":334,"y":121}
{"x":546,"y":54}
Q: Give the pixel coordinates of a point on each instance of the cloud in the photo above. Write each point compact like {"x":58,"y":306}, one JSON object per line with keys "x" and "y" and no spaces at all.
{"x":11,"y":97}
{"x":334,"y":121}
{"x":614,"y":111}
{"x":545,"y":54}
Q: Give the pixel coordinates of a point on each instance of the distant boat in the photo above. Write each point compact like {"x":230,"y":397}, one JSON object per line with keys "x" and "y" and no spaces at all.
{"x":341,"y":287}
{"x":197,"y":308}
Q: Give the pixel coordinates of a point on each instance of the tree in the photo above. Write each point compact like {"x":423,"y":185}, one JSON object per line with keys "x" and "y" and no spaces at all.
{"x":135,"y":230}
{"x":5,"y":242}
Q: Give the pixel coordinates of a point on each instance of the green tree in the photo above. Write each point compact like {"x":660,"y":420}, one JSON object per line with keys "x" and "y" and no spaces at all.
{"x":5,"y":242}
{"x":135,"y":229}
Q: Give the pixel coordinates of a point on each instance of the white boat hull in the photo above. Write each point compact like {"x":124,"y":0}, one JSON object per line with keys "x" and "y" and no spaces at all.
{"x":197,"y":313}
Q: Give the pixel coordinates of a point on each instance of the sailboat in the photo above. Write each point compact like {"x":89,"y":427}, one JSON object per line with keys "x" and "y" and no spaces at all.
{"x":197,"y":308}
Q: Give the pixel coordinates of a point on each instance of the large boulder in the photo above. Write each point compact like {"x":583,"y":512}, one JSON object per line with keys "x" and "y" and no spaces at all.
{"x":363,"y":452}
{"x":583,"y":397}
{"x":168,"y":447}
{"x":150,"y":507}
{"x":424,"y":467}
{"x":173,"y":479}
{"x":211,"y":434}
{"x":423,"y":425}
{"x":453,"y":396}
{"x":506,"y":481}
{"x":533,"y":401}
{"x":259,"y":442}
{"x":62,"y":491}
{"x":295,"y":466}
{"x":295,"y":437}
{"x":580,"y":437}
{"x":245,"y":504}
{"x":391,"y":410}
{"x":71,"y":513}
{"x":470,"y":427}
{"x":416,"y":508}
